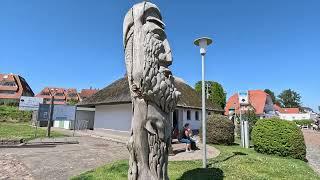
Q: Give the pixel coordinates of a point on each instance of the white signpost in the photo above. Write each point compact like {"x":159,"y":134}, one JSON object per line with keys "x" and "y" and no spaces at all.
{"x":244,"y":101}
{"x":29,"y":103}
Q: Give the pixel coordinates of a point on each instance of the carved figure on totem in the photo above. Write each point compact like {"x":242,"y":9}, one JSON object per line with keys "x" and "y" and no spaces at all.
{"x":154,"y":96}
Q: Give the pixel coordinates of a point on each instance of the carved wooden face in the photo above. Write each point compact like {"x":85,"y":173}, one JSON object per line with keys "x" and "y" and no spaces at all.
{"x":148,"y":57}
{"x":157,"y":83}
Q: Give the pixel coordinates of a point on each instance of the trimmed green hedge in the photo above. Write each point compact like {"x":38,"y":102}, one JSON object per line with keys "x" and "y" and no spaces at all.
{"x":303,"y":122}
{"x":12,"y":114}
{"x":220,"y":130}
{"x":279,"y":137}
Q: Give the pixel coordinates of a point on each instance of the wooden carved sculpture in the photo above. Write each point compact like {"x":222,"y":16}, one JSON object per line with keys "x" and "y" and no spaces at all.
{"x":154,"y":96}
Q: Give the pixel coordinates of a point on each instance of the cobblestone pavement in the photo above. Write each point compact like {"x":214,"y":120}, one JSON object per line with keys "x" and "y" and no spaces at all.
{"x":312,"y":139}
{"x":13,"y":169}
{"x":55,"y":162}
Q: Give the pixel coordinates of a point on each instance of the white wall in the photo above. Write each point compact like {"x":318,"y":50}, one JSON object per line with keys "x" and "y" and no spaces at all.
{"x":195,"y":124}
{"x":291,"y":117}
{"x":117,"y":117}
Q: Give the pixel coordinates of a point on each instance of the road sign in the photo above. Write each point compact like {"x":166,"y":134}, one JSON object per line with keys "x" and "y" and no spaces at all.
{"x":64,"y":113}
{"x":243,"y":98}
{"x":29,"y":103}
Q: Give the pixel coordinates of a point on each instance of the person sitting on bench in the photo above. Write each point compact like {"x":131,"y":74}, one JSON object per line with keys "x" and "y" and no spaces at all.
{"x":185,"y":138}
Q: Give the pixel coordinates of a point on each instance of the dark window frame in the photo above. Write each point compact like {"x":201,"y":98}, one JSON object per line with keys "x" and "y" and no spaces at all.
{"x":188,"y":115}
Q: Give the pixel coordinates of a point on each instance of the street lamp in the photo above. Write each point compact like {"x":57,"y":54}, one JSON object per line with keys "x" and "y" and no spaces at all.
{"x":203,"y":42}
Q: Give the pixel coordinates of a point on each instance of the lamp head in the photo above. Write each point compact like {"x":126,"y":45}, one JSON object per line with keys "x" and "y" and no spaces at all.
{"x":203,"y":42}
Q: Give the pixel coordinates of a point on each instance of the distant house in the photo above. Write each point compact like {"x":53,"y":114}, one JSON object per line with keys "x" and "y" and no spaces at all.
{"x":62,"y":95}
{"x":113,"y":108}
{"x":85,"y":93}
{"x":12,"y":87}
{"x":259,"y":102}
{"x":294,"y":113}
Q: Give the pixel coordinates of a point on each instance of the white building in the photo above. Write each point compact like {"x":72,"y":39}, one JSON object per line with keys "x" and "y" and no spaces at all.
{"x":291,"y":114}
{"x":295,"y":116}
{"x":113,"y":109}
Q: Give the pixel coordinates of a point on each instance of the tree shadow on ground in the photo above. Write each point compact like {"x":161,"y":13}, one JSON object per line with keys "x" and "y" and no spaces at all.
{"x":202,"y":174}
{"x":227,"y":158}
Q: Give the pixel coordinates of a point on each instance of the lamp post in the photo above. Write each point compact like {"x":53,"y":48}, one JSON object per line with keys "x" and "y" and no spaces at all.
{"x":203,"y":42}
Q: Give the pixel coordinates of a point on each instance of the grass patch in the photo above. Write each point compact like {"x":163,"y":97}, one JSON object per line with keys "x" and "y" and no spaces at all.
{"x":234,"y":162}
{"x":16,"y":131}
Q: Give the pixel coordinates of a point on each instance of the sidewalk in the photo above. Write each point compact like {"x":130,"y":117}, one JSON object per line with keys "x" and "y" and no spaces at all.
{"x":312,"y":139}
{"x":122,"y":137}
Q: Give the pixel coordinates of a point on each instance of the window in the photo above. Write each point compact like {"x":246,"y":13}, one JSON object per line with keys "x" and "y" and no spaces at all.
{"x":188,"y":115}
{"x":197,"y":115}
{"x":6,"y":92}
{"x":6,"y":83}
{"x":72,"y":95}
{"x":46,"y":94}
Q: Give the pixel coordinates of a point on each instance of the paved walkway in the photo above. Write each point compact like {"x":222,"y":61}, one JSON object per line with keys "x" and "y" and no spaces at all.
{"x":55,"y":162}
{"x":312,"y":139}
{"x":62,"y":161}
{"x":179,"y":153}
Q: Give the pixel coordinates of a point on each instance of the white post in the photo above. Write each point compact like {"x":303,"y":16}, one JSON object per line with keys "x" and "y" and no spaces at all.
{"x":203,"y":43}
{"x":241,"y":129}
{"x":204,"y":136}
{"x":246,"y":134}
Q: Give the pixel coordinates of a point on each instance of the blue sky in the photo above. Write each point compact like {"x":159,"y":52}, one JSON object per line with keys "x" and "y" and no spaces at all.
{"x":78,"y":43}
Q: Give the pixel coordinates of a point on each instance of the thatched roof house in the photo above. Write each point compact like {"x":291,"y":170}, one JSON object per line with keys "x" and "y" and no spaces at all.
{"x":113,"y":104}
{"x":118,"y":92}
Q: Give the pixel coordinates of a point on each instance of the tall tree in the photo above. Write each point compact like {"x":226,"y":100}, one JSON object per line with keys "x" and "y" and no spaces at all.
{"x":213,"y":91}
{"x":289,"y":99}
{"x":273,"y":97}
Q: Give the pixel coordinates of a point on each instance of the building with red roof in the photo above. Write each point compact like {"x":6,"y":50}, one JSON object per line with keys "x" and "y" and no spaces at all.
{"x":85,"y":93}
{"x":61,"y":95}
{"x":12,"y":87}
{"x":259,"y":101}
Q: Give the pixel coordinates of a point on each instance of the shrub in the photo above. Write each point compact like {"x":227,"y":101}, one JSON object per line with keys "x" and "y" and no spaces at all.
{"x":12,"y":114}
{"x":306,"y":122}
{"x":279,"y":137}
{"x":220,"y":130}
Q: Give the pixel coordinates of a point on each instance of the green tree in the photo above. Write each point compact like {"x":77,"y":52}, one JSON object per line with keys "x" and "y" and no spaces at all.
{"x":72,"y":102}
{"x":273,"y":97}
{"x":289,"y":99}
{"x":214,"y":92}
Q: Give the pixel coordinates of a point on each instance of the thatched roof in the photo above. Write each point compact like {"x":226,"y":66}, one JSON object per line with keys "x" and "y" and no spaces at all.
{"x":118,"y":93}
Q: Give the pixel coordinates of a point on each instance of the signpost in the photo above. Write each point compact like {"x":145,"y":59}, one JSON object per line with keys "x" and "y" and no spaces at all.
{"x":29,"y":103}
{"x":244,"y":101}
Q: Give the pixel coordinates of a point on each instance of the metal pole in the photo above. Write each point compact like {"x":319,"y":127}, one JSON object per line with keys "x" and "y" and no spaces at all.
{"x":246,"y":134}
{"x":242,"y":128}
{"x":50,"y":116}
{"x":74,"y":122}
{"x":204,"y":137}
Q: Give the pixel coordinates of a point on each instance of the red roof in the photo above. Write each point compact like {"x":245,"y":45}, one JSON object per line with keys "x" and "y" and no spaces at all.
{"x":64,"y":94}
{"x":257,"y":99}
{"x":286,"y":110}
{"x":13,"y":87}
{"x":87,"y":92}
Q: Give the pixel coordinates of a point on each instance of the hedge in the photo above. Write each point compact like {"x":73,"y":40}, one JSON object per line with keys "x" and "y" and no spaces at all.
{"x":12,"y":114}
{"x":279,"y":137}
{"x":306,"y":122}
{"x":220,"y":130}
